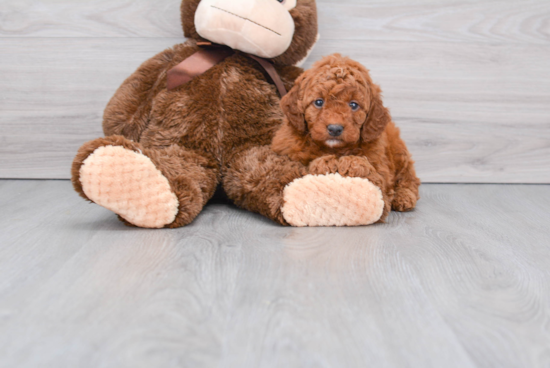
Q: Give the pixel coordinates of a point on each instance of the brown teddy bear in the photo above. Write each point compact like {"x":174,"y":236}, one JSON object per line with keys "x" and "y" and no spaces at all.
{"x":197,"y":116}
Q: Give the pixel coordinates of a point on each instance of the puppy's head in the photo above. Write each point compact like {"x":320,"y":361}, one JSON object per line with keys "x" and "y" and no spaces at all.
{"x":336,"y":104}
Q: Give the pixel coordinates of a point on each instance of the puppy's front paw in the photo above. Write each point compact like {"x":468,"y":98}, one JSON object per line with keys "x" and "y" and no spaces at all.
{"x":324,"y":165}
{"x":355,"y":166}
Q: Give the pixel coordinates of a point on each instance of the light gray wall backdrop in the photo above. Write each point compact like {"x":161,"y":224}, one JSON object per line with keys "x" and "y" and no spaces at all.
{"x":467,"y":81}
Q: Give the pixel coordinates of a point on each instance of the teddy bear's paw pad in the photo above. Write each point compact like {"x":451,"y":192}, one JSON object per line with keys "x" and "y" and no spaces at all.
{"x":129,"y":184}
{"x":332,"y":200}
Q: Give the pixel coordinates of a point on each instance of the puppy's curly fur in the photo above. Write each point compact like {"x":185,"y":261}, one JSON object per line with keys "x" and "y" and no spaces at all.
{"x":336,"y":123}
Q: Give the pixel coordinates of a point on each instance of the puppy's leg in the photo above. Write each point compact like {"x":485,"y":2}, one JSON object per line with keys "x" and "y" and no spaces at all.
{"x":324,"y":165}
{"x":406,"y":188}
{"x":406,"y":181}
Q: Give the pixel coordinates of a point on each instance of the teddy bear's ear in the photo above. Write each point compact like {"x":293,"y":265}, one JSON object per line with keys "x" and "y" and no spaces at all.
{"x":378,"y":116}
{"x":188,"y":9}
{"x":293,"y":108}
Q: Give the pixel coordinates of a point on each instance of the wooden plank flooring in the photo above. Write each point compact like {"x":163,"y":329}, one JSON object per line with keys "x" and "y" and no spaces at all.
{"x":467,"y":81}
{"x":463,"y":281}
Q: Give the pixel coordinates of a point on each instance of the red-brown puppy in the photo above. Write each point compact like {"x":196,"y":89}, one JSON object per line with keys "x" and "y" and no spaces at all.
{"x":336,"y":123}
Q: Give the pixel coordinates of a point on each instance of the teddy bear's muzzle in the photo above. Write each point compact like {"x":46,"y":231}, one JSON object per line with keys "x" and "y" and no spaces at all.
{"x":259,"y":27}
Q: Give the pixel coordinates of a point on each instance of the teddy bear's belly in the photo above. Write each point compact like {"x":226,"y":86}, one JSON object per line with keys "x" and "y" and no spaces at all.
{"x":251,"y":117}
{"x":235,"y":112}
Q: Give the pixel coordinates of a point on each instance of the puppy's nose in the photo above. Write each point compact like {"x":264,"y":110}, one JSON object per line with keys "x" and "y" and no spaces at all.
{"x":335,"y":130}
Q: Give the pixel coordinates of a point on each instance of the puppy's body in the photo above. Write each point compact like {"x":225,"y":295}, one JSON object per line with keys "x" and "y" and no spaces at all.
{"x":336,"y":123}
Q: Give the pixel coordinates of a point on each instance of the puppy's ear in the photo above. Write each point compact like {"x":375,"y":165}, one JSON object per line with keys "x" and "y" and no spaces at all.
{"x":378,"y":116}
{"x":293,"y":108}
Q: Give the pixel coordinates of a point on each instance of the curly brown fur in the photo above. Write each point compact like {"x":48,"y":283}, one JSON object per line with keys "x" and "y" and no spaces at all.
{"x":369,"y":144}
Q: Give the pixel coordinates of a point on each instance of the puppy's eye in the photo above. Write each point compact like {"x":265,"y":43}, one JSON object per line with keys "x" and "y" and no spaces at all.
{"x":354,"y":105}
{"x":319,"y":103}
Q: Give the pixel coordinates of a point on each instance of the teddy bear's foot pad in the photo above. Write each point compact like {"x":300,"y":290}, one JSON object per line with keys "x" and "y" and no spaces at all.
{"x":332,"y":200}
{"x":129,"y":184}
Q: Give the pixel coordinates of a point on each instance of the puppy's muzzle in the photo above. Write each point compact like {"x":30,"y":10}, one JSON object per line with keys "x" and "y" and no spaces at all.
{"x":335,"y":130}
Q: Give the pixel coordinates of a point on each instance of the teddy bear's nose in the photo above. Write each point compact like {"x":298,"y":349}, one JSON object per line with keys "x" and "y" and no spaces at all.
{"x":335,"y":130}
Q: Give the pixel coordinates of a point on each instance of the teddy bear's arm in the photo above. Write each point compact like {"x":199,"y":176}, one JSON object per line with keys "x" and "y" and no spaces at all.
{"x":289,"y":74}
{"x":128,"y":111}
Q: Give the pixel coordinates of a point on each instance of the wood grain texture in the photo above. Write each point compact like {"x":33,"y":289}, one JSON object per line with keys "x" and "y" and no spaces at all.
{"x":463,"y":281}
{"x":52,"y":96}
{"x":465,"y":119}
{"x":467,"y":81}
{"x":424,"y":20}
{"x":92,"y":18}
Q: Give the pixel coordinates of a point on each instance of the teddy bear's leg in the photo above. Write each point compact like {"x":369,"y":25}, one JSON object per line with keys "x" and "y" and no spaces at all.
{"x":344,"y":191}
{"x":332,"y":200}
{"x":256,"y":178}
{"x":151,"y":188}
{"x":274,"y":186}
{"x":361,"y":167}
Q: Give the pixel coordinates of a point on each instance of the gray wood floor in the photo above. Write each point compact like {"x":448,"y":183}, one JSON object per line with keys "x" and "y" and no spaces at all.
{"x":467,"y":81}
{"x":463,"y":281}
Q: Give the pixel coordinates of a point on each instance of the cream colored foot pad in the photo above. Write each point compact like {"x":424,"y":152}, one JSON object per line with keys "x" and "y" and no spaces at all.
{"x":332,"y":200}
{"x":129,"y":184}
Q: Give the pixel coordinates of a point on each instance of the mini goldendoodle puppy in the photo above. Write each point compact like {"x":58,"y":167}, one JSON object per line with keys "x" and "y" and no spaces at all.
{"x":336,"y":123}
